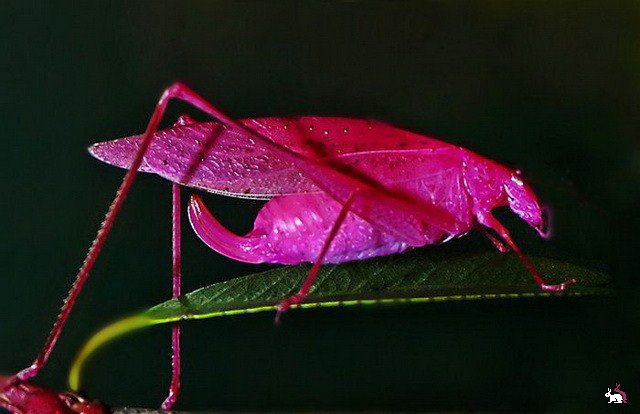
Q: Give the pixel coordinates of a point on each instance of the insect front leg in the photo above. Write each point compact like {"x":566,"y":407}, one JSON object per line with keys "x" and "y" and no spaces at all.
{"x":308,"y":283}
{"x":502,"y":248}
{"x":488,"y":220}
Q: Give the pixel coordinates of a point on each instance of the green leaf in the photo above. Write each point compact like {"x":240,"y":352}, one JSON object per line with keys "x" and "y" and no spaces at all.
{"x":420,"y":276}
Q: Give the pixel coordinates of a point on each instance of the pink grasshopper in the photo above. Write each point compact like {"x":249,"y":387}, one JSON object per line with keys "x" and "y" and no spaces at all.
{"x":339,"y":189}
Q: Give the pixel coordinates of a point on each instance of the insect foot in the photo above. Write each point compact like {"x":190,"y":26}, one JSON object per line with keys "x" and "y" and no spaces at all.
{"x":285,"y":305}
{"x":557,"y":288}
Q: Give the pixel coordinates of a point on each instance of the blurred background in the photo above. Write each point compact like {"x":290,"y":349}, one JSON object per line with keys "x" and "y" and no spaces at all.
{"x":550,"y":87}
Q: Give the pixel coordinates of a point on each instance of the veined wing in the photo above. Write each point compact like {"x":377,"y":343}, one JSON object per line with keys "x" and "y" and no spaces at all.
{"x":231,"y":164}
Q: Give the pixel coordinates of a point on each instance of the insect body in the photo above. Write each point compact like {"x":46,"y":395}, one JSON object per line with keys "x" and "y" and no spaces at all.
{"x":294,"y":224}
{"x":338,"y":189}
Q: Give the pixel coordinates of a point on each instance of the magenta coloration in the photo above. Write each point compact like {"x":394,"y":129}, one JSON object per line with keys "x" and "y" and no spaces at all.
{"x":292,"y":226}
{"x":232,"y":164}
{"x":292,"y":230}
{"x":339,"y":189}
{"x":29,"y":398}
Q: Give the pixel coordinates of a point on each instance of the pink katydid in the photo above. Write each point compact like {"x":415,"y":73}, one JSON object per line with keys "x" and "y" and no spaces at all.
{"x":294,"y":224}
{"x":339,"y":189}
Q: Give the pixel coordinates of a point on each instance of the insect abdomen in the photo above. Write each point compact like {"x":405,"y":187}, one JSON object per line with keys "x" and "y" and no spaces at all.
{"x":292,"y":229}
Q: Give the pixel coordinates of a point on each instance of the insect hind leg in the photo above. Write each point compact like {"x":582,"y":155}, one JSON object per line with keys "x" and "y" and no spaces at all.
{"x":177,"y":90}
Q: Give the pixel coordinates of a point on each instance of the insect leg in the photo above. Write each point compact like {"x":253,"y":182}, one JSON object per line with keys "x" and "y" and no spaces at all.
{"x":308,"y":283}
{"x":176,"y":259}
{"x":488,"y":220}
{"x":174,"y":388}
{"x":499,"y":245}
{"x":174,"y":91}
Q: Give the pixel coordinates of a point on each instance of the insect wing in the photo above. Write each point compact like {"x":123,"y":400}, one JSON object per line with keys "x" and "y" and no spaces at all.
{"x":230,"y":162}
{"x":327,"y":137}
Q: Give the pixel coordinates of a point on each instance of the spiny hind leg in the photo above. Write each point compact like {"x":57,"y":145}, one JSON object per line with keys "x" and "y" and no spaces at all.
{"x":176,"y":90}
{"x":491,"y":222}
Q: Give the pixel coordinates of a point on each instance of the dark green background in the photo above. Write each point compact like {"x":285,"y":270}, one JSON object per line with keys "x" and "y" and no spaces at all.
{"x":551,"y":87}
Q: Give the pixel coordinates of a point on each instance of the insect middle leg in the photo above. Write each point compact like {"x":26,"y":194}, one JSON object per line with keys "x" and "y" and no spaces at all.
{"x":313,"y":273}
{"x":174,"y":388}
{"x":491,"y":222}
